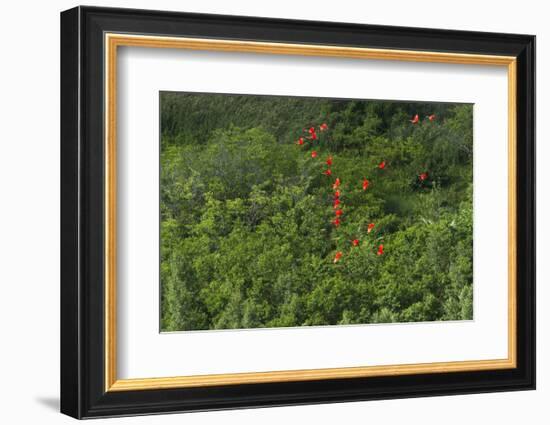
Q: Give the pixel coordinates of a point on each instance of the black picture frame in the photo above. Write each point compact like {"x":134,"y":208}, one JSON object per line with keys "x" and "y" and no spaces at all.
{"x":83,"y":392}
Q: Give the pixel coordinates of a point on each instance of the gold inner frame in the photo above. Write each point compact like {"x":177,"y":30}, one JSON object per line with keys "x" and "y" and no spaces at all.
{"x":113,"y":41}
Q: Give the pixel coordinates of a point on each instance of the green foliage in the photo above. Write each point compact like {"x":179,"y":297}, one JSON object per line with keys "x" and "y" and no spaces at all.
{"x":246,"y":233}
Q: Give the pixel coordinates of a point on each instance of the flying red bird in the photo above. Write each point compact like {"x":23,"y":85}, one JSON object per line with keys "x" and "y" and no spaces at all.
{"x":380,"y":250}
{"x":323,"y":127}
{"x":382,"y":165}
{"x":329,"y":161}
{"x":415,"y":119}
{"x":327,"y":172}
{"x":336,"y":184}
{"x":365,"y":184}
{"x":336,"y":203}
{"x":314,"y":154}
{"x":336,"y":222}
{"x":339,"y":213}
{"x":423,"y":176}
{"x":355,"y":242}
{"x":337,"y":256}
{"x":431,"y":117}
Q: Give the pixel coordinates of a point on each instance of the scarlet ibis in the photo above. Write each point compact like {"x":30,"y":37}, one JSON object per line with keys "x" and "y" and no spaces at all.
{"x":337,"y":256}
{"x":355,"y":242}
{"x":380,"y":249}
{"x":336,"y":184}
{"x":327,"y":172}
{"x":323,"y":127}
{"x":336,"y":222}
{"x":423,"y":176}
{"x":314,"y":154}
{"x":431,"y":117}
{"x":365,"y":184}
{"x":415,"y":119}
{"x":382,"y":165}
{"x":339,"y":213}
{"x":370,"y":227}
{"x":329,"y":161}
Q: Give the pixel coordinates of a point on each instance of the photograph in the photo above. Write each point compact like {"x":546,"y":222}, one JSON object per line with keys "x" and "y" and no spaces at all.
{"x":288,"y":211}
{"x":262,"y":211}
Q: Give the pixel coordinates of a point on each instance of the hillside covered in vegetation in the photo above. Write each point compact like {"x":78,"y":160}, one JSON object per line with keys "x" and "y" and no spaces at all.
{"x":288,"y":211}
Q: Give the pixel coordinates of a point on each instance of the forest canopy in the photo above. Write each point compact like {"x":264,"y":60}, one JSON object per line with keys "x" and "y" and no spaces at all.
{"x":291,"y":211}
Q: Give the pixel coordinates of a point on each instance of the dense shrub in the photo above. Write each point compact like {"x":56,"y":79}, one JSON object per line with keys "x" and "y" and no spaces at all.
{"x":246,"y":233}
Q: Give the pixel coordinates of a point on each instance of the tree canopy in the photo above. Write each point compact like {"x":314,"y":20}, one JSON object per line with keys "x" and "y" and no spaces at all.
{"x":250,"y":230}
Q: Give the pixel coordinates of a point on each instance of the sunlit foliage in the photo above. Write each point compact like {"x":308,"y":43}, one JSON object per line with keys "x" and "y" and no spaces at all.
{"x":247,"y":213}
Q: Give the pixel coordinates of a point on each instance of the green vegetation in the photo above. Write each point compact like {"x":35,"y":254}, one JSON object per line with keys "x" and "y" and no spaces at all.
{"x":247,"y":232}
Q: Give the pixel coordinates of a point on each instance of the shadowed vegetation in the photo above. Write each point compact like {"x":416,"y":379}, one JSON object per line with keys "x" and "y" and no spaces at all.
{"x":248,"y":237}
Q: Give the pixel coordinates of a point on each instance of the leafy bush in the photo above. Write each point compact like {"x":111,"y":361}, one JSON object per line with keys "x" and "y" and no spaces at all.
{"x":247,"y":238}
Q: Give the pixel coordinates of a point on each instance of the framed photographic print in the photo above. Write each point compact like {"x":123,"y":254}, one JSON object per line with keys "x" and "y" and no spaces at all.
{"x":261,"y":212}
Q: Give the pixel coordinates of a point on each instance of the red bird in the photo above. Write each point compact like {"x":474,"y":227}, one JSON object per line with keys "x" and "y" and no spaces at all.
{"x":327,"y":172}
{"x":329,"y":161}
{"x":323,"y":127}
{"x":337,"y":256}
{"x":314,"y":154}
{"x":336,"y":222}
{"x":336,"y":194}
{"x":423,"y":176}
{"x":336,"y":203}
{"x":382,"y":165}
{"x":311,"y":130}
{"x":355,"y":242}
{"x":313,"y":136}
{"x":339,"y":213}
{"x":336,"y":184}
{"x":380,"y":250}
{"x":431,"y":117}
{"x":370,"y":227}
{"x":415,"y":119}
{"x":300,"y":141}
{"x":365,"y":184}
